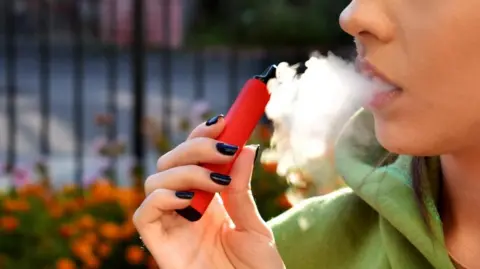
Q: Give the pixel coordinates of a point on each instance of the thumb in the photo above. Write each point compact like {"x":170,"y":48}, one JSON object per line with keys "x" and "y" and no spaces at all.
{"x":237,"y":197}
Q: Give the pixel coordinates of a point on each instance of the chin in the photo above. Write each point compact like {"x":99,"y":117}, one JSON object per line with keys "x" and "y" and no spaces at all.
{"x":404,"y":140}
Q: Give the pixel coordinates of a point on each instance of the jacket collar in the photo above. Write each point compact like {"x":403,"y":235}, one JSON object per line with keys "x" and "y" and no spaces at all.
{"x":388,"y":189}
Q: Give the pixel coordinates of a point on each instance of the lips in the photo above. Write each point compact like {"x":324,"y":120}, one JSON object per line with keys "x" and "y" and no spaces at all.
{"x":369,"y":71}
{"x":385,"y":90}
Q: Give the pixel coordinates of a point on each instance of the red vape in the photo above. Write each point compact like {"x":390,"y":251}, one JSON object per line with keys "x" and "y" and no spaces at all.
{"x":241,"y":120}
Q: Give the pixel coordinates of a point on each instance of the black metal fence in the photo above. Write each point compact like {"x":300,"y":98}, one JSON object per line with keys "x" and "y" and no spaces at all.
{"x":61,"y":66}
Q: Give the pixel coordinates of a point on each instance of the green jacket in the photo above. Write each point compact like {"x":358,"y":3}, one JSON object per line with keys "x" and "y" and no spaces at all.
{"x":373,"y":224}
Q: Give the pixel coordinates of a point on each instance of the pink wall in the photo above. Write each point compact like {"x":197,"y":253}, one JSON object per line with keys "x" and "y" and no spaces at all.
{"x":155,"y":34}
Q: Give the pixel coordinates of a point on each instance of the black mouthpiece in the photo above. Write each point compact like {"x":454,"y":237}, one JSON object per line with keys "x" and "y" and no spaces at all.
{"x":301,"y":68}
{"x":268,"y":74}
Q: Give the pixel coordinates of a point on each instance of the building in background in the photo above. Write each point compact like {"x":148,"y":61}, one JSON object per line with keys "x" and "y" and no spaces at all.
{"x":165,"y":22}
{"x":107,"y":21}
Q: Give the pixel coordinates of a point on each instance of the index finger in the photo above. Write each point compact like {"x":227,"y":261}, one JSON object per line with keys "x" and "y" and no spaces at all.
{"x":212,"y":128}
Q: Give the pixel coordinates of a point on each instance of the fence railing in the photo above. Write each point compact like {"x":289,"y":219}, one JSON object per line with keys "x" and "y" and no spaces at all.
{"x":59,"y":72}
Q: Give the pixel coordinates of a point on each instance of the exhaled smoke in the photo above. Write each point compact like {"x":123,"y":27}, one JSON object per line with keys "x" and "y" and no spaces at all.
{"x":306,"y":109}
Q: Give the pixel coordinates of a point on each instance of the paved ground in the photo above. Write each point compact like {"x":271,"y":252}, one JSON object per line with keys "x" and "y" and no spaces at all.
{"x":62,"y":139}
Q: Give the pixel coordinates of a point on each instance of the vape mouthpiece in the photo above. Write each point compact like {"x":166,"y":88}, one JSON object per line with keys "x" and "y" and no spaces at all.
{"x":268,"y":74}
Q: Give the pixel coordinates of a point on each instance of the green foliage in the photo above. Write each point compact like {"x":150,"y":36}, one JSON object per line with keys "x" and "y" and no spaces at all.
{"x":274,"y":23}
{"x":44,"y":228}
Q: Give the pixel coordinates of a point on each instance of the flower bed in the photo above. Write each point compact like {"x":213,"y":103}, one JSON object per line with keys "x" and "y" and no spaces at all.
{"x":91,"y":227}
{"x":70,"y":228}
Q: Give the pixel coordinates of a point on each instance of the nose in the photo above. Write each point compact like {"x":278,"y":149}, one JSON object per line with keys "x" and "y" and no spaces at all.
{"x":364,"y":19}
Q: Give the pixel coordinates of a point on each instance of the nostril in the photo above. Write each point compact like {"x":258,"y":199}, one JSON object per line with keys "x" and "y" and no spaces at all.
{"x":363,"y":33}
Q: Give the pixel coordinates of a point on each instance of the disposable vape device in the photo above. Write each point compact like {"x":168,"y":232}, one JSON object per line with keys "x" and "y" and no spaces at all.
{"x":240,"y":121}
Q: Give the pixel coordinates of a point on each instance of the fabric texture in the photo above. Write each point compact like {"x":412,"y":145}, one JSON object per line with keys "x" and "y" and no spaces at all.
{"x":375,"y":223}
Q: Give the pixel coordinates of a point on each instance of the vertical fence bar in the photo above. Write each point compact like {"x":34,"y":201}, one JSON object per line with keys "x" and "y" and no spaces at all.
{"x":232,"y":75}
{"x":11,"y":83}
{"x":112,"y":73}
{"x":138,"y":89}
{"x":166,"y":69}
{"x":199,"y":74}
{"x":44,"y":52}
{"x":233,"y":63}
{"x":78,"y":83}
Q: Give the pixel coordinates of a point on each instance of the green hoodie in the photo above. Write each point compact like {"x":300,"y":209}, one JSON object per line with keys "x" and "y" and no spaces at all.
{"x":373,"y":224}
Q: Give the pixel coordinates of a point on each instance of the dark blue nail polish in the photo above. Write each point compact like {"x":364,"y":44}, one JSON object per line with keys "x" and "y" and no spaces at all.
{"x":213,"y":120}
{"x":227,"y":149}
{"x":220,"y":179}
{"x":184,"y":194}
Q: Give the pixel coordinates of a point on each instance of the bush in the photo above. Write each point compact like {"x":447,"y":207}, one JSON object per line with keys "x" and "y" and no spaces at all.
{"x":274,"y":23}
{"x":42,"y":228}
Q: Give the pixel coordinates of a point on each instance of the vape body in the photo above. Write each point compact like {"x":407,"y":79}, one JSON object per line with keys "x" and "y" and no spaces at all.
{"x":240,"y":122}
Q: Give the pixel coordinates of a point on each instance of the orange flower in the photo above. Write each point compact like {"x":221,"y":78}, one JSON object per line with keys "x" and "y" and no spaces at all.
{"x":55,"y":211}
{"x":102,"y":191}
{"x":110,"y":231}
{"x":32,"y":190}
{"x":80,"y":201}
{"x":67,"y":230}
{"x":264,"y":132}
{"x":82,"y":249}
{"x":128,"y":198}
{"x":72,"y":206}
{"x":128,"y":230}
{"x":283,"y":201}
{"x":9,"y":223}
{"x":270,"y":167}
{"x":90,"y":238}
{"x":11,"y":205}
{"x":65,"y":263}
{"x":86,"y":222}
{"x":91,"y":262}
{"x":104,"y":250}
{"x":134,"y":255}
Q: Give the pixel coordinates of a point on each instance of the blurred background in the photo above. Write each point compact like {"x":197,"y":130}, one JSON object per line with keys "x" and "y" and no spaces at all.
{"x":92,"y":92}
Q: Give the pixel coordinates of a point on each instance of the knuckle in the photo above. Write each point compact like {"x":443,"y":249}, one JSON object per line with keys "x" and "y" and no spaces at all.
{"x":204,"y":146}
{"x":147,"y":185}
{"x":136,"y":219}
{"x":155,"y":182}
{"x":191,"y":149}
{"x":201,"y":140}
{"x":161,"y":162}
{"x":191,"y":145}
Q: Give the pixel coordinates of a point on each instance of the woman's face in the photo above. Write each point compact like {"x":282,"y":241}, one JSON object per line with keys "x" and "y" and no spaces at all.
{"x":430,"y":49}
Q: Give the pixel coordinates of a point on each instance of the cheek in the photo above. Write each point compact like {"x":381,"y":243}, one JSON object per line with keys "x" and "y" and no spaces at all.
{"x":440,"y":42}
{"x":440,"y":71}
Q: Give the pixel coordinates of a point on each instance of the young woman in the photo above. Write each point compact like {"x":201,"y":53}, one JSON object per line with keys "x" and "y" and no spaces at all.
{"x":415,"y":212}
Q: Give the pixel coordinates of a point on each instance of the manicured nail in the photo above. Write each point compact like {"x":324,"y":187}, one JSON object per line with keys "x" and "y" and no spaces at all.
{"x":220,"y":179}
{"x":214,"y":120}
{"x":227,"y":149}
{"x":184,"y":194}
{"x":256,"y":153}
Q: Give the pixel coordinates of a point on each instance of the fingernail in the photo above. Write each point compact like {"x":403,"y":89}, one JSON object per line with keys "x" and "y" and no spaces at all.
{"x":256,"y":153}
{"x":227,"y":149}
{"x":220,"y":179}
{"x":214,"y":120}
{"x":184,"y":194}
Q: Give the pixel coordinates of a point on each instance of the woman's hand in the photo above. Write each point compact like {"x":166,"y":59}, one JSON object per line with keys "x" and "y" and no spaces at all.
{"x":231,"y":234}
